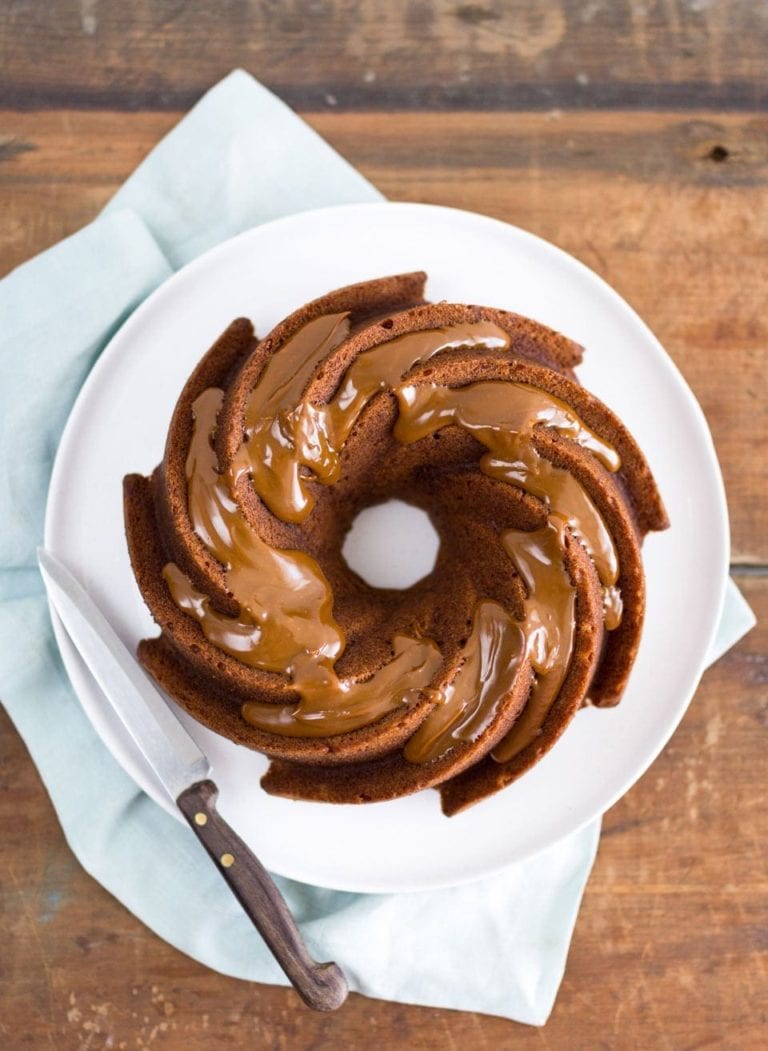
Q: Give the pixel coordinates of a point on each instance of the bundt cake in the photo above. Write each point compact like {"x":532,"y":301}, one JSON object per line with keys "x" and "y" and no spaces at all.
{"x":463,"y":681}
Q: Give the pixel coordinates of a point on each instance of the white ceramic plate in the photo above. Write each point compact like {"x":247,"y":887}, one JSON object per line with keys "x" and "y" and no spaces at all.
{"x":118,"y":425}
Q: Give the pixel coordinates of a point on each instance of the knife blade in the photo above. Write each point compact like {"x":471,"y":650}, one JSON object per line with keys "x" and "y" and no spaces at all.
{"x":165,"y":744}
{"x":183,"y":769}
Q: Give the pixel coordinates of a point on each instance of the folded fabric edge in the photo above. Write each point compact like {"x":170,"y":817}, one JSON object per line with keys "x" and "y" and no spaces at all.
{"x":535,"y":1004}
{"x":118,"y":226}
{"x":736,"y":620}
{"x":244,"y":178}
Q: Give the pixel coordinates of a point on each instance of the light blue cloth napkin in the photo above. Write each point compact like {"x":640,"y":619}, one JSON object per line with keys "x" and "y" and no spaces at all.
{"x":498,"y":946}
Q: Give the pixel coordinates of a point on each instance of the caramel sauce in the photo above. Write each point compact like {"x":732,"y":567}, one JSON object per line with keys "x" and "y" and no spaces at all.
{"x":286,"y":622}
{"x":280,"y":427}
{"x":467,"y":705}
{"x":613,"y":608}
{"x":502,"y":416}
{"x":515,"y":407}
{"x":283,"y":595}
{"x":496,"y":647}
{"x":287,"y":436}
{"x":548,"y":626}
{"x":330,"y":705}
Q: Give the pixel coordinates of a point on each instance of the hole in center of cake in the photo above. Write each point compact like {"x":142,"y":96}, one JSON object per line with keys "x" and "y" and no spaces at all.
{"x":391,"y":545}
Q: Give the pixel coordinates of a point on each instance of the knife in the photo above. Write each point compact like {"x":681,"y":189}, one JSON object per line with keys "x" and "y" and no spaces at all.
{"x":184,"y":772}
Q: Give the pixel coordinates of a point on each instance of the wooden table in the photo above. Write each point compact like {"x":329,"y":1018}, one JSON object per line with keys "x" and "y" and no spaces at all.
{"x":635,"y":137}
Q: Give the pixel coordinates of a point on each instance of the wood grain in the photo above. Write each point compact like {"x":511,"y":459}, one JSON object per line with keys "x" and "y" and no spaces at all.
{"x":402,"y":55}
{"x":670,"y":950}
{"x":634,"y":135}
{"x":640,"y":198}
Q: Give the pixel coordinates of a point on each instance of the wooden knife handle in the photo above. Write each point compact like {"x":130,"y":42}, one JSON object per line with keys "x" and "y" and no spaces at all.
{"x":321,"y":986}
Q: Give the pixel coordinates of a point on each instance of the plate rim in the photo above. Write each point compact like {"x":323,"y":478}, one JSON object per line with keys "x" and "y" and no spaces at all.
{"x":662,"y":359}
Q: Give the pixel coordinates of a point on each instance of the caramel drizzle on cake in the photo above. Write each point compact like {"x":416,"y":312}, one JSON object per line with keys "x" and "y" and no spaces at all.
{"x":502,"y":416}
{"x":545,"y":637}
{"x":285,"y":433}
{"x":286,"y":623}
